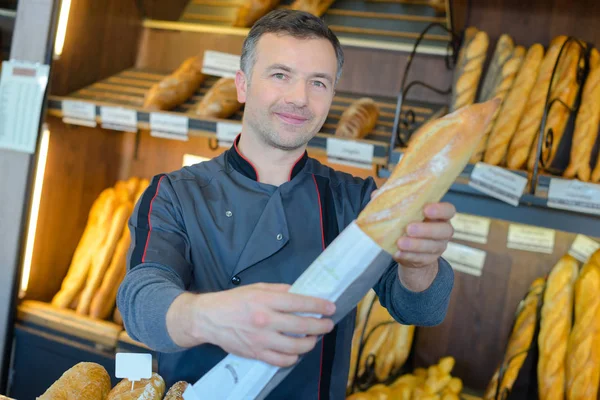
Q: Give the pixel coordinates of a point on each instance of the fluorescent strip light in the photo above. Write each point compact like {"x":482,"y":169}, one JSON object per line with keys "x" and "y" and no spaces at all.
{"x":61,"y":32}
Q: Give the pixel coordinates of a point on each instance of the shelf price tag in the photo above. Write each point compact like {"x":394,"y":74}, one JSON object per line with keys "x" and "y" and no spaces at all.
{"x":119,"y":119}
{"x":471,"y":228}
{"x":227,"y":132}
{"x":465,"y":259}
{"x":220,"y":64}
{"x":498,"y":183}
{"x":79,"y":113}
{"x":169,"y":126}
{"x":350,"y":150}
{"x":583,"y":247}
{"x":574,"y":195}
{"x":133,"y":366}
{"x":530,"y":238}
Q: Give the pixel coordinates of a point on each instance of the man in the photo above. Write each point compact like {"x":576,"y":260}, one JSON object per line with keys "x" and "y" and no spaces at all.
{"x":216,"y":245}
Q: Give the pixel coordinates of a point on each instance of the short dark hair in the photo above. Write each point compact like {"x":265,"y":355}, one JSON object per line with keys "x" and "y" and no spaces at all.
{"x":298,"y":24}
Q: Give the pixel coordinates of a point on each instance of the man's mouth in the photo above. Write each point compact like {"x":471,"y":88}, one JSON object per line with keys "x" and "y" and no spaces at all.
{"x":292,"y":119}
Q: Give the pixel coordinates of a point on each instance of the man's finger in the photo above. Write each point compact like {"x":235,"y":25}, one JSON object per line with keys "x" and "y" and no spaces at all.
{"x":439,"y":211}
{"x":430,"y":230}
{"x":281,"y":343}
{"x":296,"y":303}
{"x":428,"y":246}
{"x":410,"y":259}
{"x":277,"y":359}
{"x":299,"y":325}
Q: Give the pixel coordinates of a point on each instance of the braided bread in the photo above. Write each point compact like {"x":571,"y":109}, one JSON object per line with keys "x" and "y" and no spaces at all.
{"x":358,"y":120}
{"x":220,"y":101}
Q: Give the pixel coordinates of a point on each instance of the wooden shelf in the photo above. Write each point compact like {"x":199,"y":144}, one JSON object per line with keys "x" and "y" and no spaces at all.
{"x":127,"y":90}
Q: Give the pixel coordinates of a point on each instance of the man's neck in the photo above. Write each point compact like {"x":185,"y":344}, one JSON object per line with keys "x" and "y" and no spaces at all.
{"x":273,"y":165}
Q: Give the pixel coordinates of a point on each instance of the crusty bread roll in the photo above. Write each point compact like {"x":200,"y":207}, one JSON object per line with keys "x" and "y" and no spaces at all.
{"x":176,"y":391}
{"x":380,"y":392}
{"x":315,"y":7}
{"x":177,"y":87}
{"x":468,"y":71}
{"x":145,"y":389}
{"x":586,"y":125}
{"x":513,"y":107}
{"x":555,"y":328}
{"x":583,"y":354}
{"x":359,"y":119}
{"x":251,"y":11}
{"x":504,"y":50}
{"x":505,"y":80}
{"x":436,"y":155}
{"x":220,"y":101}
{"x":519,"y":342}
{"x":529,"y":124}
{"x":84,"y":381}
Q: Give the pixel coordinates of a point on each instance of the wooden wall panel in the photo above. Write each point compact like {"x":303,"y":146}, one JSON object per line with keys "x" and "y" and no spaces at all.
{"x":163,"y":10}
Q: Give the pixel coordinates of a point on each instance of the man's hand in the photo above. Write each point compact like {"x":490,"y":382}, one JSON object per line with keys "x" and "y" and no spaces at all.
{"x":252,"y":321}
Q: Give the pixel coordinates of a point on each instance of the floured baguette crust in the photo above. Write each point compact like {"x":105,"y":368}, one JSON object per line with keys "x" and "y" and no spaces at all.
{"x":145,"y":389}
{"x":176,"y":391}
{"x":436,"y":155}
{"x":83,"y":381}
{"x":557,"y":314}
{"x":469,"y":69}
{"x":359,"y":119}
{"x":251,"y":11}
{"x":503,"y":52}
{"x":220,"y":101}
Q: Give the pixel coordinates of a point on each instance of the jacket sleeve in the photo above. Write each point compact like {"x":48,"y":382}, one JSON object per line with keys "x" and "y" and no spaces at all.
{"x":158,"y":266}
{"x":426,"y":308}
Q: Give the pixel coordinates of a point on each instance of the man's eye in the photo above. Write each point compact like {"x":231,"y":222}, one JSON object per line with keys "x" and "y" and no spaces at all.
{"x":279,"y":76}
{"x":319,"y":84}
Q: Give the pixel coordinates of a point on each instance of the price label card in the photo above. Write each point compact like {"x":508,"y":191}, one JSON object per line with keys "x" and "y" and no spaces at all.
{"x":228,"y":131}
{"x":498,"y":183}
{"x":220,"y":64}
{"x":133,"y":366}
{"x":583,"y":247}
{"x":574,"y":195}
{"x":531,"y":238}
{"x":350,"y":150}
{"x":465,"y":259}
{"x":471,"y":228}
{"x":119,"y":119}
{"x":169,"y":126}
{"x":79,"y":113}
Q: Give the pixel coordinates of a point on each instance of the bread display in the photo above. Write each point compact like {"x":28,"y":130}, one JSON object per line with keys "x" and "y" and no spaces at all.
{"x":176,"y":391}
{"x":177,"y":87}
{"x":555,"y":328}
{"x":437,"y":153}
{"x":469,"y":68}
{"x":84,"y":381}
{"x":587,"y":124}
{"x":504,"y":83}
{"x":144,"y":389}
{"x":583,"y":353}
{"x":596,"y":173}
{"x":220,"y":101}
{"x":503,"y":52}
{"x":315,"y":7}
{"x":359,"y":119}
{"x":251,"y":11}
{"x":513,"y":107}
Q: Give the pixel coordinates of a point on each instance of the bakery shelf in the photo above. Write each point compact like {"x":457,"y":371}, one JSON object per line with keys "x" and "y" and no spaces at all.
{"x":375,"y":24}
{"x":127,"y":90}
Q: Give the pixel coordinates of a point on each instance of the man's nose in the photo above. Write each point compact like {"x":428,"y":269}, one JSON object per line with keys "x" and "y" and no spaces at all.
{"x":297,"y":94}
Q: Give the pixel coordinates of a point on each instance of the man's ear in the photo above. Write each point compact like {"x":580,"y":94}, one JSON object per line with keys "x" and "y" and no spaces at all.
{"x":242,"y":86}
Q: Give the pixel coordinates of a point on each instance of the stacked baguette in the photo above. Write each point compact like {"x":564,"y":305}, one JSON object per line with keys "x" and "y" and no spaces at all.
{"x":99,"y":262}
{"x":251,"y":11}
{"x":315,"y":7}
{"x":359,"y":119}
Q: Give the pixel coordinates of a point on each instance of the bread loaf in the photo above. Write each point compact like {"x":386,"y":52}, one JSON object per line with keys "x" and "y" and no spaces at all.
{"x":359,"y":119}
{"x":504,"y":50}
{"x":468,"y":71}
{"x":583,"y":354}
{"x":436,"y":155}
{"x":84,"y":381}
{"x":251,"y":11}
{"x":363,"y":308}
{"x":519,"y":342}
{"x":176,"y":391}
{"x":145,"y":389}
{"x":315,"y":7}
{"x":529,"y":124}
{"x":596,"y":173}
{"x":587,"y":124}
{"x":513,"y":107}
{"x":220,"y":101}
{"x":177,"y":87}
{"x":507,"y":76}
{"x":555,"y":328}
{"x":375,"y":336}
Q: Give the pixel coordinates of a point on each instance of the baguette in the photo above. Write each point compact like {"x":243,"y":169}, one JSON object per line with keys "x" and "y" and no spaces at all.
{"x":519,"y":342}
{"x":504,"y":50}
{"x":586,"y":125}
{"x":177,"y":87}
{"x":363,"y":310}
{"x":505,"y":81}
{"x":176,"y":391}
{"x":529,"y":124}
{"x":596,"y":173}
{"x":315,"y":7}
{"x":468,"y":71}
{"x":376,"y":334}
{"x":358,"y":120}
{"x":583,"y":354}
{"x":220,"y":101}
{"x":513,"y":107}
{"x":252,"y":10}
{"x":555,"y":328}
{"x":436,"y":155}
{"x":83,"y":381}
{"x":144,"y":389}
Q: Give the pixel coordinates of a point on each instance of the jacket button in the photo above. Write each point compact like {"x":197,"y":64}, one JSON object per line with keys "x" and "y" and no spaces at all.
{"x":236,"y":280}
{"x":279,"y":236}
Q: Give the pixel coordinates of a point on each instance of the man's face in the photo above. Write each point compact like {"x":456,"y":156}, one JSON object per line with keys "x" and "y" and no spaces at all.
{"x":291,"y":87}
